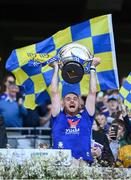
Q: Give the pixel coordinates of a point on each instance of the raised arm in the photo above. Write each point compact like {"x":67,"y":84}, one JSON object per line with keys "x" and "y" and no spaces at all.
{"x":91,"y":98}
{"x":55,"y":96}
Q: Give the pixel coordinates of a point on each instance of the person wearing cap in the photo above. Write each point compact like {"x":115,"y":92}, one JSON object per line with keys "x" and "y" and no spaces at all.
{"x":113,"y":108}
{"x":71,"y":127}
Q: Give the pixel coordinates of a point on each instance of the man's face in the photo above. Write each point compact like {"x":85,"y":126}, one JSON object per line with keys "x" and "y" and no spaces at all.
{"x":10,"y":81}
{"x":13,"y":89}
{"x":71,"y":103}
{"x":112,"y":104}
{"x":101,"y":119}
{"x":121,"y":132}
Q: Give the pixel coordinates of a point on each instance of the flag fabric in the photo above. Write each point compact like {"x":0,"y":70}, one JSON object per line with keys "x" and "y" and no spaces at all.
{"x":125,"y":91}
{"x":96,"y":34}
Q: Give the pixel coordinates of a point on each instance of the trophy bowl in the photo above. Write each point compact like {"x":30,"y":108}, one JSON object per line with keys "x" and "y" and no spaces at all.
{"x":74,"y":61}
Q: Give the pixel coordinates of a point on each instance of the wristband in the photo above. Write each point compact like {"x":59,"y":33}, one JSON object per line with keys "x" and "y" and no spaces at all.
{"x":93,"y":68}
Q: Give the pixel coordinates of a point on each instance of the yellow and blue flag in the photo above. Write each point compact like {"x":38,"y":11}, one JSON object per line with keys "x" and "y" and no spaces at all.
{"x":96,"y":34}
{"x":125,"y":91}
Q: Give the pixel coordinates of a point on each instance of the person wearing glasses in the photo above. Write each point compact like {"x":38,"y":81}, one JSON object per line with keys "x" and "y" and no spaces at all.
{"x":11,"y":108}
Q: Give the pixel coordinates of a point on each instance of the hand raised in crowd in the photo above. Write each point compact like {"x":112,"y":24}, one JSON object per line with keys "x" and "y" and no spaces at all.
{"x":124,"y":110}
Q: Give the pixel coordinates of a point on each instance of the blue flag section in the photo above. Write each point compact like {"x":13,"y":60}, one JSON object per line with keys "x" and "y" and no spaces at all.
{"x":96,"y":34}
{"x":125,"y":91}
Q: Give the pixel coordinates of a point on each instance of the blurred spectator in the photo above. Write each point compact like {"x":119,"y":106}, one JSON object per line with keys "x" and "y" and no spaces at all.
{"x":105,"y":99}
{"x":112,"y":104}
{"x":113,"y":108}
{"x":12,"y":108}
{"x":102,"y":121}
{"x":101,"y":103}
{"x":8,"y":80}
{"x":45,"y":112}
{"x":117,"y":136}
{"x":3,"y":135}
{"x":127,"y":122}
{"x":32,"y":119}
{"x":106,"y":158}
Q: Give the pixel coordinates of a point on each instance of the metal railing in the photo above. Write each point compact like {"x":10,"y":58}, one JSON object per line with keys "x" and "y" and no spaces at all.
{"x":28,"y":137}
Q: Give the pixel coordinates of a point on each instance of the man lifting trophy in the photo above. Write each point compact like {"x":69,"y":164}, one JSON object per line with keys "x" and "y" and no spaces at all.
{"x":72,"y":125}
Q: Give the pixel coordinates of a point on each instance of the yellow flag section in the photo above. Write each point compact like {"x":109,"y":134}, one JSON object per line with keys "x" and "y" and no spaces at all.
{"x":125,"y":91}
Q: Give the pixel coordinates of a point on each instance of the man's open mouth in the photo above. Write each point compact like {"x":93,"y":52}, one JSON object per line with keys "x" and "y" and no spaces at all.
{"x":72,"y":106}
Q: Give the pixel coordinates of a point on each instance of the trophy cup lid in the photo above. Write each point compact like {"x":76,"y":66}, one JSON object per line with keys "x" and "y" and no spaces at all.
{"x":75,"y":49}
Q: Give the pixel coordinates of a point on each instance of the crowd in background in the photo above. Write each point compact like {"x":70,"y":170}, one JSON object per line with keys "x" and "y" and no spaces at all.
{"x":111,"y":135}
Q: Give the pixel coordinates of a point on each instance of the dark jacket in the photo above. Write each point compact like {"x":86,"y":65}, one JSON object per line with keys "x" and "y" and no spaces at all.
{"x":106,"y":153}
{"x":128,"y":129}
{"x":3,"y":135}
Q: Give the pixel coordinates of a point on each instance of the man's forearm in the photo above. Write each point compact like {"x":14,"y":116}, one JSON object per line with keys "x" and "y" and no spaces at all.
{"x":55,"y":97}
{"x":93,"y":86}
{"x":54,"y":82}
{"x":91,"y":98}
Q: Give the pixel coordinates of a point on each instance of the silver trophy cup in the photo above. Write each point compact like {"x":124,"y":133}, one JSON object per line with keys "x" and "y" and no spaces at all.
{"x":75,"y":60}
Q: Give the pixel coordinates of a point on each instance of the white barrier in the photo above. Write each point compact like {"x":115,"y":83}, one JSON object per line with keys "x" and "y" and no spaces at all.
{"x":20,"y":155}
